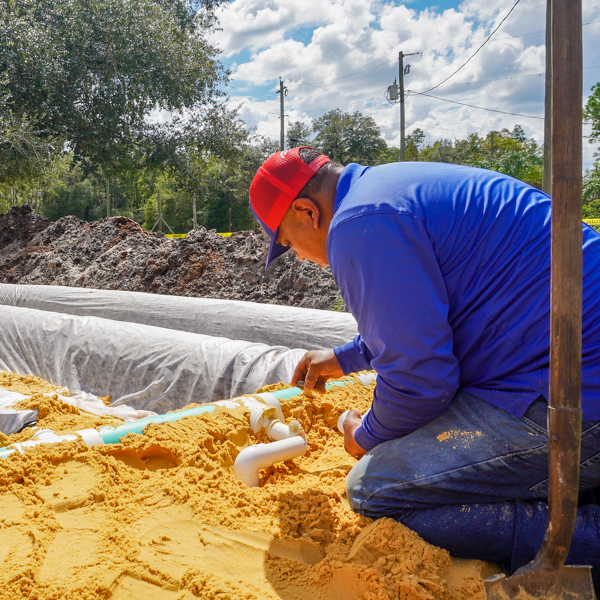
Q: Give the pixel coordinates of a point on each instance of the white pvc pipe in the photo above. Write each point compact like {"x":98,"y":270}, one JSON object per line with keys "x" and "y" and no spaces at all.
{"x":342,"y":418}
{"x":250,"y":460}
{"x":279,"y":431}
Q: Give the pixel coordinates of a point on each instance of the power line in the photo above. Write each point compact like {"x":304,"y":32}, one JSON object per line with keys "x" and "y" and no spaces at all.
{"x":489,"y":80}
{"x":479,"y":107}
{"x":507,"y":37}
{"x":430,"y":50}
{"x":503,"y":78}
{"x":478,"y":49}
{"x":387,"y":62}
{"x":366,"y":101}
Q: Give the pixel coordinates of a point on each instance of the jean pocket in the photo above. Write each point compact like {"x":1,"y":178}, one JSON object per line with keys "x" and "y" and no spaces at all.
{"x":589,"y":474}
{"x":540,"y":490}
{"x":589,"y":477}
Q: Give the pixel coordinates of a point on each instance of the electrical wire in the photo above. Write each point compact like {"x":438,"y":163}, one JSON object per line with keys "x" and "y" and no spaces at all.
{"x":479,"y":107}
{"x":424,"y":51}
{"x":507,"y":37}
{"x":387,"y":62}
{"x":478,"y":49}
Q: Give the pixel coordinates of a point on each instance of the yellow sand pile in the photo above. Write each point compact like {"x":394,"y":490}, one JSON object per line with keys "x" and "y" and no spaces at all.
{"x":161,"y":516}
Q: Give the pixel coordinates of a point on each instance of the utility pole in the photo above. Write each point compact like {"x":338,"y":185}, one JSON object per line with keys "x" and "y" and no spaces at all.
{"x":282,"y":92}
{"x":402,"y":71}
{"x":402,"y":122}
{"x":194,"y":220}
{"x":492,"y":145}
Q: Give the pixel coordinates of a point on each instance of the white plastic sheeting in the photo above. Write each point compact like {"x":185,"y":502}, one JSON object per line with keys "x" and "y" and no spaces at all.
{"x":265,"y":323}
{"x":142,"y":366}
{"x":13,"y":420}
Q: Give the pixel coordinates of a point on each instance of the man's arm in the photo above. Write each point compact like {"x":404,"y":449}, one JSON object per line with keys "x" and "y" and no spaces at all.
{"x":386,"y":268}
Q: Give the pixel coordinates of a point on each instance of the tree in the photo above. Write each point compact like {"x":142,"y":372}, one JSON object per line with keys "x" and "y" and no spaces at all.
{"x":91,"y":73}
{"x":414,"y":141}
{"x":514,"y":154}
{"x":347,"y":137}
{"x":591,"y":113}
{"x":298,"y":134}
{"x":22,"y":153}
{"x":591,"y":192}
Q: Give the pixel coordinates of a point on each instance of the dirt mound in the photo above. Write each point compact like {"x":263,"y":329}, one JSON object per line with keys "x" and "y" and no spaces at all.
{"x":18,"y":226}
{"x":116,"y":253}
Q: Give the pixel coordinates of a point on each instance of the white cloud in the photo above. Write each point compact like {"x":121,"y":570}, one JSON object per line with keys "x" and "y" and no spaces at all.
{"x":348,"y":36}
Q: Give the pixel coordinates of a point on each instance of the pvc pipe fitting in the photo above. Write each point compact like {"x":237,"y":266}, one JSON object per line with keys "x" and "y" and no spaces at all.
{"x":260,"y":456}
{"x":270,"y":399}
{"x":342,"y":419}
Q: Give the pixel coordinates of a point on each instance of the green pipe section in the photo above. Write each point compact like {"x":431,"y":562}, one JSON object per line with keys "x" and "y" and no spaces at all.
{"x":291,"y":392}
{"x":113,"y":435}
{"x":5,"y":452}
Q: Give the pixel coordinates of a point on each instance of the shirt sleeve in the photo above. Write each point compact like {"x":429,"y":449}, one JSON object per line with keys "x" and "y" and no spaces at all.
{"x":390,"y":279}
{"x":353,"y":356}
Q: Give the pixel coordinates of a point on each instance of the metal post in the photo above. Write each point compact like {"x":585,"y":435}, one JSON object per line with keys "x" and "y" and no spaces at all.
{"x":566,"y":278}
{"x":107,"y":198}
{"x":401,"y":94}
{"x":159,"y":206}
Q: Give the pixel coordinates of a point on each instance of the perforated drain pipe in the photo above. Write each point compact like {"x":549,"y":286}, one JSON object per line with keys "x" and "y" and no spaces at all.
{"x":267,"y":416}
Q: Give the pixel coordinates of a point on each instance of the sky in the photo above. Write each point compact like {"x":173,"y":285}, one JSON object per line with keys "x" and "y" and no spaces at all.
{"x":344,"y":54}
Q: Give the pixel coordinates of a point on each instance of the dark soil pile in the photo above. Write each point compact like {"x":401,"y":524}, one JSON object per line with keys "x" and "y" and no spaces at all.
{"x":18,"y":226}
{"x":116,"y":253}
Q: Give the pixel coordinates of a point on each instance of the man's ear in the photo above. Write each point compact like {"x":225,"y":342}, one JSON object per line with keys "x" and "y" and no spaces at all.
{"x":307,"y":208}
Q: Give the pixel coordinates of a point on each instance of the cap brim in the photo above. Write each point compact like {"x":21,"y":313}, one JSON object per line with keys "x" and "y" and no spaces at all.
{"x":275,"y":249}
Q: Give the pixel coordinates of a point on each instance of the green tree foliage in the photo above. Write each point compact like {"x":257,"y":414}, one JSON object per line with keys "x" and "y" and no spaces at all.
{"x":298,"y":134}
{"x":22,"y":153}
{"x":227,"y":186}
{"x":514,"y":154}
{"x":349,"y":137}
{"x":591,"y":113}
{"x":413,"y":144}
{"x":591,"y":192}
{"x":90,"y":73}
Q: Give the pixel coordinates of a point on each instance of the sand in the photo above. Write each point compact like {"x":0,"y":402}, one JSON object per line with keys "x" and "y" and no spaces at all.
{"x":161,"y":516}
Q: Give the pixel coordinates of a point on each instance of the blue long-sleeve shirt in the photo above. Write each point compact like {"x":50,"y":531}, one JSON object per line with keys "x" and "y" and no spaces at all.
{"x":447,"y":272}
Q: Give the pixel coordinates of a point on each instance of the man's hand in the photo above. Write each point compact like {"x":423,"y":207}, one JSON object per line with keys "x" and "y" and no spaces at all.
{"x":351,"y":424}
{"x":316,"y":367}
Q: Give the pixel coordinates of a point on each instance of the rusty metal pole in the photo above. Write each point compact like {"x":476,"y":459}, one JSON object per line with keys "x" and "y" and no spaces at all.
{"x":546,"y":577}
{"x":566,"y":296}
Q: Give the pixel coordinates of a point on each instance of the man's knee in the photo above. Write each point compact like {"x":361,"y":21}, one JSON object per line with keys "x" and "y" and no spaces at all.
{"x":354,"y":486}
{"x":375,"y":492}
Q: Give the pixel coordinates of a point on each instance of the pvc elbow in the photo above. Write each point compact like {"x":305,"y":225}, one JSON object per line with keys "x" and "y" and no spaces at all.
{"x":281,"y":431}
{"x":250,"y":460}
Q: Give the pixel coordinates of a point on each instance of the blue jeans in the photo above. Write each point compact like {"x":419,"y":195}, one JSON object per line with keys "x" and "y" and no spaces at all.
{"x":475,"y":481}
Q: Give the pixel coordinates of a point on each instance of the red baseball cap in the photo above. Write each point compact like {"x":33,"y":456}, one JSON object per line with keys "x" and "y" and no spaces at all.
{"x":275,"y":186}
